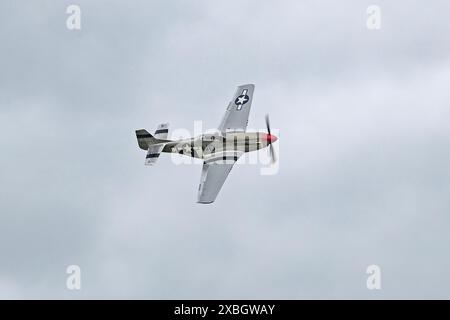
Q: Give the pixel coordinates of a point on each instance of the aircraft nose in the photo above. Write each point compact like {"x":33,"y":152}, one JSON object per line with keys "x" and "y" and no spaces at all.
{"x":269,"y":138}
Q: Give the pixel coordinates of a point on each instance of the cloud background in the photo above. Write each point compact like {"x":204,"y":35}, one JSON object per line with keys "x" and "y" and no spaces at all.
{"x":364,"y":160}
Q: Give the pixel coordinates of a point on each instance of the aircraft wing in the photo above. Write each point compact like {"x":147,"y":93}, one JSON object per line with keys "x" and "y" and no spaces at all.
{"x":236,"y":116}
{"x":214,"y":173}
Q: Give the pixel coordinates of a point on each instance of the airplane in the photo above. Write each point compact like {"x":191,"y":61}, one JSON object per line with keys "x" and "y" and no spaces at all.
{"x":219,"y":151}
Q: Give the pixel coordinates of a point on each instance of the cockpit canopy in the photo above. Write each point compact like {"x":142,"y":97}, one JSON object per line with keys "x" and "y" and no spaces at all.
{"x":210,"y":137}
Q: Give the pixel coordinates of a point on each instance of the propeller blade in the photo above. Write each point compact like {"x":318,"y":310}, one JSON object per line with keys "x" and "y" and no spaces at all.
{"x":271,"y":150}
{"x":267,"y":124}
{"x":272,"y":154}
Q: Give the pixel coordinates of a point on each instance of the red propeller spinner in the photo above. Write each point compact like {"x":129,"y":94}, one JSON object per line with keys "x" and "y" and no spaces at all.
{"x":270,"y":138}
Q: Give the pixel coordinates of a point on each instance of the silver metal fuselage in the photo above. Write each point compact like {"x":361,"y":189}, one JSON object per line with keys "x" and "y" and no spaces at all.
{"x":206,"y":146}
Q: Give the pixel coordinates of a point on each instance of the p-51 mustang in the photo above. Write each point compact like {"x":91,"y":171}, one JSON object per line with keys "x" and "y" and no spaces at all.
{"x":219,"y":151}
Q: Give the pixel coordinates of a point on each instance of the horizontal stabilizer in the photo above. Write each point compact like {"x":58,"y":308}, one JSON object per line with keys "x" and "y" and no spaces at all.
{"x":162,"y":131}
{"x":153,"y":153}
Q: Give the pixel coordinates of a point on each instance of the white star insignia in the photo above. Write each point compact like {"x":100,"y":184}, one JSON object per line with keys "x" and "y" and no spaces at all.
{"x":241,"y":100}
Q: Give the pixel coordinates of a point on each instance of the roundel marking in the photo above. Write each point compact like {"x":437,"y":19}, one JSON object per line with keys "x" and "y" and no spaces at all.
{"x":241,"y":100}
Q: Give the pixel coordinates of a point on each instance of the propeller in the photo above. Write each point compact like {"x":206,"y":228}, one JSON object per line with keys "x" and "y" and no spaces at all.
{"x":270,"y":140}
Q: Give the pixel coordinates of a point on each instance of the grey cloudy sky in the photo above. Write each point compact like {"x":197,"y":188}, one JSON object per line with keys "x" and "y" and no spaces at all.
{"x":364,"y":126}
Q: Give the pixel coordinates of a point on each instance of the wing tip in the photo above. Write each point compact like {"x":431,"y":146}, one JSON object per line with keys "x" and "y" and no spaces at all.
{"x":205,"y":202}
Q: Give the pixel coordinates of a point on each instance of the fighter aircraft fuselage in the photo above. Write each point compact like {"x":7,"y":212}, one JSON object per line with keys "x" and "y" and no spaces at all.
{"x":206,"y":146}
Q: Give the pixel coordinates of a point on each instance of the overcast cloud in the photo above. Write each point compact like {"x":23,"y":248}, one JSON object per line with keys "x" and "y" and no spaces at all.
{"x":364,"y":130}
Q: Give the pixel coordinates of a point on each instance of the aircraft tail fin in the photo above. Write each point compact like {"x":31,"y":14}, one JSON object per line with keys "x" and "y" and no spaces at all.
{"x":145,"y":139}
